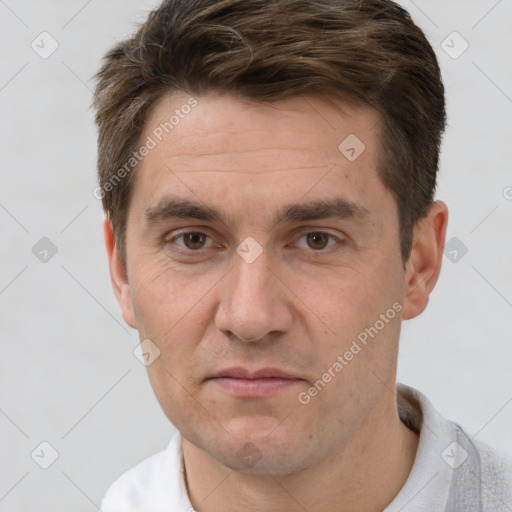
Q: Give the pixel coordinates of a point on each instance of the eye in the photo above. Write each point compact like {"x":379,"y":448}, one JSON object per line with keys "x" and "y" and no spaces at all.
{"x":318,"y":240}
{"x":191,"y":240}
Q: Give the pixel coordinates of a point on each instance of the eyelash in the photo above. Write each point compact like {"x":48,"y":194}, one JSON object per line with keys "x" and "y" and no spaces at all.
{"x":338,"y":241}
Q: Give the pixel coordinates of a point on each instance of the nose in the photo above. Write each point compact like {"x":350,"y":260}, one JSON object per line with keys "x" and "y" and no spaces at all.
{"x":253,"y":305}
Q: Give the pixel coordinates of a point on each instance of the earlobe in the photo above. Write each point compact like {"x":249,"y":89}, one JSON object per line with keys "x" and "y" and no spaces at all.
{"x":424,"y":265}
{"x":118,"y":275}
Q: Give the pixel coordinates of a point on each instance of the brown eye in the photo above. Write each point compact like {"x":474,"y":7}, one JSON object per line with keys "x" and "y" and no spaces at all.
{"x":194,"y":241}
{"x":317,"y":240}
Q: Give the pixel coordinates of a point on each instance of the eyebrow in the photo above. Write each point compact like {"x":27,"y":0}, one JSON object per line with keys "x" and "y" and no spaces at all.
{"x":337,"y":207}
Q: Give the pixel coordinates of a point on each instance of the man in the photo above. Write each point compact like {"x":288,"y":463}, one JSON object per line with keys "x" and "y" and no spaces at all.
{"x":268,"y":169}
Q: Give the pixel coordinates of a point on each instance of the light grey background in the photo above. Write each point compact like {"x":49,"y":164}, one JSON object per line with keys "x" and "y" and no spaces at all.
{"x":67,"y":372}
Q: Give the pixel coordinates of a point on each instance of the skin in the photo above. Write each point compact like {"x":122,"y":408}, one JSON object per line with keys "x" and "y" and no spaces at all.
{"x":296,"y":307}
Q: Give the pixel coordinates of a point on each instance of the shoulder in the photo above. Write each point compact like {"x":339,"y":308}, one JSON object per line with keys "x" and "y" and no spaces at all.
{"x":495,"y":477}
{"x":469,"y":474}
{"x":152,"y":485}
{"x":129,"y":491}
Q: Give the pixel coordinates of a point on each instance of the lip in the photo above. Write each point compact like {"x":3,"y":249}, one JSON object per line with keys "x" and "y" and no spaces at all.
{"x":244,"y":383}
{"x":239,"y":372}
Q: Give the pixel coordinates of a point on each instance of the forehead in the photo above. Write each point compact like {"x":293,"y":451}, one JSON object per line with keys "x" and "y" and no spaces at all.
{"x":226,"y":151}
{"x":215,"y":125}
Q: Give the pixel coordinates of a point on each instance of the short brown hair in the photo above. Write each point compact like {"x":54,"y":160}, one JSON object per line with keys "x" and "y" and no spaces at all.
{"x":367,"y":52}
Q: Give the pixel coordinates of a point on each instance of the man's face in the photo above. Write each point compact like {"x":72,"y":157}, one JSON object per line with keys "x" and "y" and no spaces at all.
{"x":292,"y":252}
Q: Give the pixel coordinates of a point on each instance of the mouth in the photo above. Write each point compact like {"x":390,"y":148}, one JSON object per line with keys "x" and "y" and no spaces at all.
{"x":261,"y":383}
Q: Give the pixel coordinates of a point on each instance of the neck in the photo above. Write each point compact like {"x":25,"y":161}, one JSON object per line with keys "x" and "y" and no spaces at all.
{"x":364,"y":475}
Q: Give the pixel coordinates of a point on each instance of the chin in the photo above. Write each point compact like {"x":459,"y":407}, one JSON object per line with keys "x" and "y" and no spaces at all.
{"x":259,"y":447}
{"x":257,"y":428}
{"x":265,"y":460}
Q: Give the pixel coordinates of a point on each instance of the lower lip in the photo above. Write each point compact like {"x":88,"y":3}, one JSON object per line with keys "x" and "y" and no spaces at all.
{"x":254,"y":388}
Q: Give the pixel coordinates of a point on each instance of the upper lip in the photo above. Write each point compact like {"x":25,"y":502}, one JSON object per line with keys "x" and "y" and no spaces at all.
{"x":243,"y":373}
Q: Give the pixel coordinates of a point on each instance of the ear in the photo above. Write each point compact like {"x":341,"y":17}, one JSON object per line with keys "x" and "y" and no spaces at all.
{"x":424,"y":265}
{"x":118,"y":275}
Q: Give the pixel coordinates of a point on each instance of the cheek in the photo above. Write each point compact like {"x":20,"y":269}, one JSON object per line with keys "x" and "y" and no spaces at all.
{"x":360,"y":313}
{"x":173,"y":309}
{"x":348,"y":300}
{"x":170,"y":310}
{"x":163,"y":297}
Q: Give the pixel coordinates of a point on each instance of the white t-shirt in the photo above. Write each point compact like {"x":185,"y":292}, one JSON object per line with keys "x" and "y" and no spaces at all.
{"x":451,"y":473}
